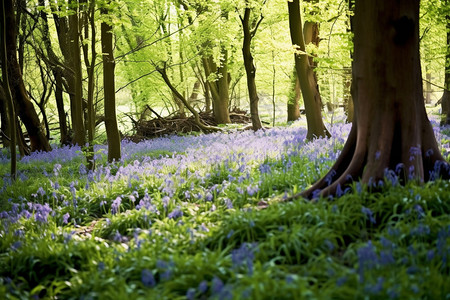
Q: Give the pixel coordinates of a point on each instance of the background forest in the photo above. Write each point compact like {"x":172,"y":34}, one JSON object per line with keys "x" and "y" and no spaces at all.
{"x":142,"y":172}
{"x":198,"y":45}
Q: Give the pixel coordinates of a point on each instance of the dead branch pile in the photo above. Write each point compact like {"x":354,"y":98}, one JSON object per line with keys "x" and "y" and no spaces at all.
{"x":157,"y":127}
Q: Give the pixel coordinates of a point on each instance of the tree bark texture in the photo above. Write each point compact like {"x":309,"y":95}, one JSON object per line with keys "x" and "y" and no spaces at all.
{"x":445,"y":100}
{"x":76,"y":106}
{"x":250,"y":68}
{"x":391,"y":130}
{"x":293,"y":106}
{"x":112,"y":131}
{"x":219,"y":88}
{"x":308,"y":84}
{"x":6,"y":94}
{"x":23,"y":105}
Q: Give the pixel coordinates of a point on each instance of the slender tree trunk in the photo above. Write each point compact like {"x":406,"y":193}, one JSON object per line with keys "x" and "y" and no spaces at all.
{"x":250,"y":68}
{"x":4,"y":117}
{"x":391,"y":130}
{"x":25,"y":108}
{"x":79,"y":132}
{"x":112,"y":131}
{"x":57,"y":74}
{"x":293,"y":106}
{"x":308,"y":84}
{"x":89,"y":23}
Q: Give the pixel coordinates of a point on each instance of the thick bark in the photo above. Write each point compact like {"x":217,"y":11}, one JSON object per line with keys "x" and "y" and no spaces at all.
{"x":391,"y":130}
{"x":6,"y":92}
{"x":250,"y":68}
{"x":112,"y":131}
{"x":76,"y":106}
{"x":293,"y":106}
{"x":308,"y":84}
{"x":219,"y":88}
{"x":25,"y":108}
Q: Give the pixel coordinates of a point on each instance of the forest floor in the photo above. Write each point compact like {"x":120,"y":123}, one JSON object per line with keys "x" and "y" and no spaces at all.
{"x":203,"y":217}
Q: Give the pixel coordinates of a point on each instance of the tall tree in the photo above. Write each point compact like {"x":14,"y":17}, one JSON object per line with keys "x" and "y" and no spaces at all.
{"x":79,"y":132}
{"x":293,"y":106}
{"x":112,"y":130}
{"x":250,"y":25}
{"x":391,"y":130}
{"x":58,"y":70}
{"x":7,"y":91}
{"x":25,"y":108}
{"x":445,"y":100}
{"x":308,"y":84}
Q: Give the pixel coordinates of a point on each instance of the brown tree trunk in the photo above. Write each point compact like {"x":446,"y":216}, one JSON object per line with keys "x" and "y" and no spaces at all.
{"x":220,"y":88}
{"x":391,"y":130}
{"x":293,"y":106}
{"x":250,"y":68}
{"x":79,"y":132}
{"x":348,"y":100}
{"x":6,"y":93}
{"x":25,"y":108}
{"x":445,"y":100}
{"x":4,"y":117}
{"x":112,"y":131}
{"x":308,"y":84}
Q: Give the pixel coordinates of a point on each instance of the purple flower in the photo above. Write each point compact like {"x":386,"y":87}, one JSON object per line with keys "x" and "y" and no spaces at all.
{"x":66,"y":218}
{"x":203,"y":286}
{"x":208,"y":197}
{"x":175,"y":214}
{"x":115,"y":206}
{"x":367,"y":259}
{"x":147,"y":278}
{"x":244,"y":255}
{"x":369,"y":214}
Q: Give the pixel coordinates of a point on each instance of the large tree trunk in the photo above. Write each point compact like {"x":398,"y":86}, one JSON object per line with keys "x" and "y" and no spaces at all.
{"x":308,"y":84}
{"x":25,"y":108}
{"x":293,"y":106}
{"x":391,"y":130}
{"x":6,"y":94}
{"x":250,"y":68}
{"x":4,"y":117}
{"x":112,"y":131}
{"x":219,"y":88}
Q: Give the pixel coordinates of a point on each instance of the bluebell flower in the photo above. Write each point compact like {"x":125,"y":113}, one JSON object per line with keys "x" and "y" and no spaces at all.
{"x":147,"y":278}
{"x":115,"y":206}
{"x":369,"y":214}
{"x":190,"y":294}
{"x":216,"y":285}
{"x":367,"y":259}
{"x":203,"y":286}
{"x":386,"y":258}
{"x":244,"y":255}
{"x":175,"y":214}
{"x":341,"y":281}
{"x":66,"y":217}
{"x":376,"y":288}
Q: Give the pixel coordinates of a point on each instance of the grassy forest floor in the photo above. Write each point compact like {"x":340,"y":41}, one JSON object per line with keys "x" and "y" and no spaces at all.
{"x":203,"y":217}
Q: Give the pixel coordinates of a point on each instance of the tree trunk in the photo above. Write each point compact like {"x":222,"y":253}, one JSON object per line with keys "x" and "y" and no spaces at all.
{"x":293,"y":106}
{"x":348,"y":100}
{"x":25,"y":108}
{"x":4,"y":117}
{"x":445,"y":100}
{"x":250,"y":68}
{"x":391,"y":130}
{"x":79,"y":132}
{"x":112,"y":131}
{"x":89,"y":23}
{"x":218,"y":88}
{"x":308,"y":84}
{"x":6,"y":93}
